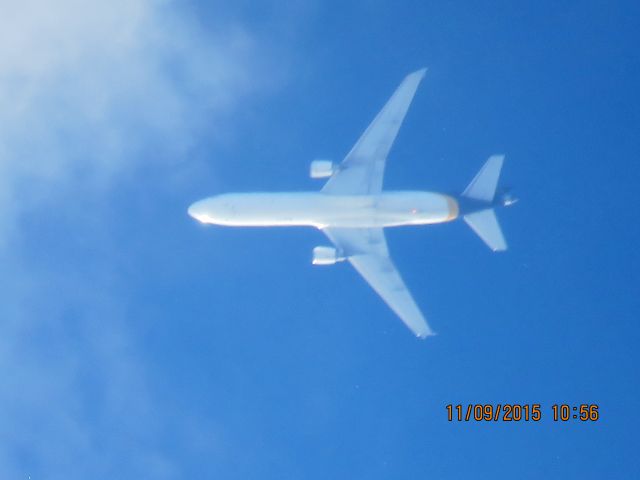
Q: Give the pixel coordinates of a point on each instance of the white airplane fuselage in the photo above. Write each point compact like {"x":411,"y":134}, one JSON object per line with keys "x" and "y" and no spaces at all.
{"x":320,"y":210}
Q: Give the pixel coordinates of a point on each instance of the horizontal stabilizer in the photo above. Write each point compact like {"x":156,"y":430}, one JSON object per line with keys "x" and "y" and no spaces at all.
{"x":486,"y":226}
{"x":483,"y":186}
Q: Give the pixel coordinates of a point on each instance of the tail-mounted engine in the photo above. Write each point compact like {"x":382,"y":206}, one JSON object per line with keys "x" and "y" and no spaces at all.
{"x":322,"y":169}
{"x":326,"y":256}
{"x":507,"y":199}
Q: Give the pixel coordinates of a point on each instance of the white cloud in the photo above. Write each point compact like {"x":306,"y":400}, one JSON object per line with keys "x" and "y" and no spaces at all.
{"x":84,"y":85}
{"x":91,"y":91}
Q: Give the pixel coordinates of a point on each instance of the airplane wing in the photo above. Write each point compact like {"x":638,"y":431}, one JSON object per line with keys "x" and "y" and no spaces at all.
{"x":366,"y":249}
{"x":361,"y":172}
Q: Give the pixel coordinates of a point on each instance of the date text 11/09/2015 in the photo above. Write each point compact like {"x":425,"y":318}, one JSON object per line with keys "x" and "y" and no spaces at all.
{"x":515,"y":412}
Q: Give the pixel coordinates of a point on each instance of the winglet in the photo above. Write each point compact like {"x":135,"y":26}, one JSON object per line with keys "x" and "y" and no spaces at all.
{"x":425,"y":335}
{"x":418,"y":73}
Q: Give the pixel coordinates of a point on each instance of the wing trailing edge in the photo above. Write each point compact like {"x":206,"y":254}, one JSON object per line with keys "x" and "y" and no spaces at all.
{"x":366,"y":249}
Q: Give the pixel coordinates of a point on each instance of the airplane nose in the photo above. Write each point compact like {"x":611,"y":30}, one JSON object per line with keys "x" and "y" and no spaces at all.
{"x":197,"y":210}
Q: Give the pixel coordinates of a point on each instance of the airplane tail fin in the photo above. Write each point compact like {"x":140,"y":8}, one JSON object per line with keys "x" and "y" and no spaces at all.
{"x":483,"y":189}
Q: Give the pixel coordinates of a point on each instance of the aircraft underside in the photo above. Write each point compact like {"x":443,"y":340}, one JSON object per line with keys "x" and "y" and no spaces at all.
{"x":351,"y":209}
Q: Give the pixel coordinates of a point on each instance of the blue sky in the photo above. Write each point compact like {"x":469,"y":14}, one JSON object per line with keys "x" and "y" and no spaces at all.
{"x":136,"y":342}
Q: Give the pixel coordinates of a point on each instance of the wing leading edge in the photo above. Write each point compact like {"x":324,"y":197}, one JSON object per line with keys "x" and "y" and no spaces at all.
{"x":366,"y":249}
{"x":361,"y":171}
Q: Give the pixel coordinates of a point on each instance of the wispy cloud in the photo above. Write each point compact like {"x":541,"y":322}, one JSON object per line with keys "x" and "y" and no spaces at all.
{"x":85,"y":86}
{"x":91,"y":91}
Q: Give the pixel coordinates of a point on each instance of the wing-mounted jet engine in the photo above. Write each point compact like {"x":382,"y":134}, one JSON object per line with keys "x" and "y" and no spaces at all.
{"x":326,"y":256}
{"x":322,"y":168}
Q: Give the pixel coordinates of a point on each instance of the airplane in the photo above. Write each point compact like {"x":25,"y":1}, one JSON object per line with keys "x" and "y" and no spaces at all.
{"x":352,"y":209}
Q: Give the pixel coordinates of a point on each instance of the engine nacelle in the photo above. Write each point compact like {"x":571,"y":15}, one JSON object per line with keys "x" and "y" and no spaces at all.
{"x":326,"y":256}
{"x":322,"y":169}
